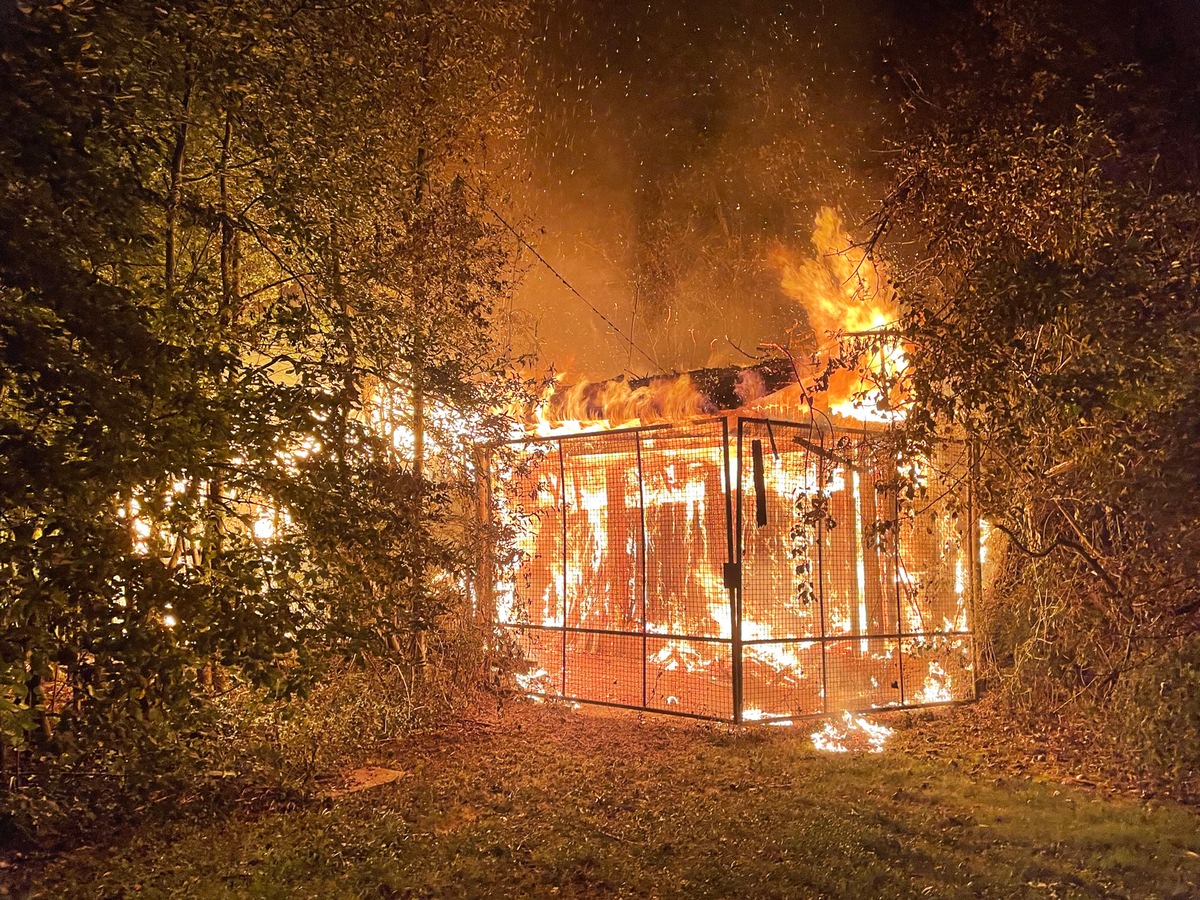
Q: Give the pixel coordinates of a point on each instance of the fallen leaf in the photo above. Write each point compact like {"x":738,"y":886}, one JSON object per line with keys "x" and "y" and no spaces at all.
{"x":363,"y":778}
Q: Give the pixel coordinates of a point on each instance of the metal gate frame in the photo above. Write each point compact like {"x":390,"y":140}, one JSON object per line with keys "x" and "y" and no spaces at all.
{"x":736,"y":569}
{"x":731,"y":574}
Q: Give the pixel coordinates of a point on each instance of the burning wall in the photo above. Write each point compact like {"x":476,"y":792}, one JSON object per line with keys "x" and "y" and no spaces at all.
{"x":739,"y":568}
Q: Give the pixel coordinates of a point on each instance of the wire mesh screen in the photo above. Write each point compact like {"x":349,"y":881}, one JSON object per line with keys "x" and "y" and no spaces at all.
{"x":689,"y":662}
{"x":621,"y":542}
{"x":854,"y":572}
{"x":816,"y":581}
{"x":529,"y":496}
{"x":936,"y":567}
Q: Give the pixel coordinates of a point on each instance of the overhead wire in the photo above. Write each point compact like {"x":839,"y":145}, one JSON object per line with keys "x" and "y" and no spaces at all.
{"x":537,"y":255}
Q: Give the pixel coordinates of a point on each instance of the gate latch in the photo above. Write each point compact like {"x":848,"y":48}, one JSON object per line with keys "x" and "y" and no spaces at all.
{"x":733,"y":576}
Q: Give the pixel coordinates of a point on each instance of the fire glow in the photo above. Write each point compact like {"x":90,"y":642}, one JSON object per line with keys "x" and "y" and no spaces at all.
{"x":616,"y":592}
{"x":853,"y":735}
{"x":745,"y":544}
{"x":856,"y":373}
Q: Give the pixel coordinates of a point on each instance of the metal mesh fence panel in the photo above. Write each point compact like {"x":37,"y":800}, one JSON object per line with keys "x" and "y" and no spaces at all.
{"x":782,"y":680}
{"x":529,"y":596}
{"x":529,"y":497}
{"x":687,"y":539}
{"x":687,"y":546}
{"x":603,"y":533}
{"x":851,"y":579}
{"x":837,"y":557}
{"x":604,"y":668}
{"x":862,"y":673}
{"x":780,"y":527}
{"x":855,"y":557}
{"x":622,"y":538}
{"x":691,"y":677}
{"x":935,"y":570}
{"x":937,"y":669}
{"x":539,"y":655}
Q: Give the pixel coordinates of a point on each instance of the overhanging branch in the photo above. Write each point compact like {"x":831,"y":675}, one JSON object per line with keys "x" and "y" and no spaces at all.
{"x":1066,"y":543}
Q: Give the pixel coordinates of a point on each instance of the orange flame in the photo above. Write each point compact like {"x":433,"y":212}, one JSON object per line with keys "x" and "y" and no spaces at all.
{"x":597,"y":405}
{"x":841,"y":288}
{"x":854,"y":734}
{"x":850,"y":303}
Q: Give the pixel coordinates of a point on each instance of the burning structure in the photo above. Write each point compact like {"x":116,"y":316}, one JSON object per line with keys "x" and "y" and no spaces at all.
{"x":737,"y":563}
{"x":751,"y":543}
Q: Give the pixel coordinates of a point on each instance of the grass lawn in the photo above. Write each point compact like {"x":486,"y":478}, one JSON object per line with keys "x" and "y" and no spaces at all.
{"x":538,"y":801}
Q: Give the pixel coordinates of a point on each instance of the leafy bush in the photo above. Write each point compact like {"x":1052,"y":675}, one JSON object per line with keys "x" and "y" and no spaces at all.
{"x":1158,"y":708}
{"x":247,"y":285}
{"x":1052,"y":310}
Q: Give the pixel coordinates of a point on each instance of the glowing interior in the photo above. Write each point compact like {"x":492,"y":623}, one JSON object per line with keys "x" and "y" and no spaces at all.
{"x":852,"y":595}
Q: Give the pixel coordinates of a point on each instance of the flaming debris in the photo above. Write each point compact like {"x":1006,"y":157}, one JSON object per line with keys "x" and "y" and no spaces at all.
{"x":854,"y":735}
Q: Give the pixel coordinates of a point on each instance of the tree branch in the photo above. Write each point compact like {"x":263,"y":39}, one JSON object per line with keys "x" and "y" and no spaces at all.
{"x":1054,"y":545}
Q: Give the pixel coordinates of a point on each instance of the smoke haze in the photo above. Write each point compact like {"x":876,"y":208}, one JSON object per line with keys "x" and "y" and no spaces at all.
{"x":677,"y":150}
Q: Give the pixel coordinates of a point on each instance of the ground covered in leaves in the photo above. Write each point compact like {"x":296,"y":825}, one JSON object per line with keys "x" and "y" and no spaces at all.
{"x":536,"y":800}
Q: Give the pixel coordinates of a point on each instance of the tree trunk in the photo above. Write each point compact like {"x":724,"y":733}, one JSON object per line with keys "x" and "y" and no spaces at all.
{"x":230,"y":288}
{"x":416,"y":524}
{"x":178,"y":156}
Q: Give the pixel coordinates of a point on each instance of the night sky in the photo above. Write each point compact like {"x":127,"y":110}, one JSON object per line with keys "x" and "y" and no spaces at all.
{"x":678,"y":145}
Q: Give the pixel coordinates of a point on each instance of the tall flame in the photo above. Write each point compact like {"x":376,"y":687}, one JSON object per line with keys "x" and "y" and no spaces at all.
{"x":841,"y":288}
{"x":851,"y":305}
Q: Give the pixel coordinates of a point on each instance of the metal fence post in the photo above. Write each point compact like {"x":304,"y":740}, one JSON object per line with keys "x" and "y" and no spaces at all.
{"x":734,"y":554}
{"x":975,"y":573}
{"x":821,"y":579}
{"x":562,"y":493}
{"x":644,"y":548}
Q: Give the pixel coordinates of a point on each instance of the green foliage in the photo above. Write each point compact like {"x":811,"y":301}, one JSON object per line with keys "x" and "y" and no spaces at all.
{"x":1054,"y":314}
{"x":1170,"y":722}
{"x":356,"y":711}
{"x":353,"y":711}
{"x":245,"y":301}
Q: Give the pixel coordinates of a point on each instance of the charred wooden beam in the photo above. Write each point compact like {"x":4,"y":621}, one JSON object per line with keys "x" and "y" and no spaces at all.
{"x":826,"y":453}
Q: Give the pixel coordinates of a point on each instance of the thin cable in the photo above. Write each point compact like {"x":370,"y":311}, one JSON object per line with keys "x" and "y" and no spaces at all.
{"x":637,"y":293}
{"x":532,"y":249}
